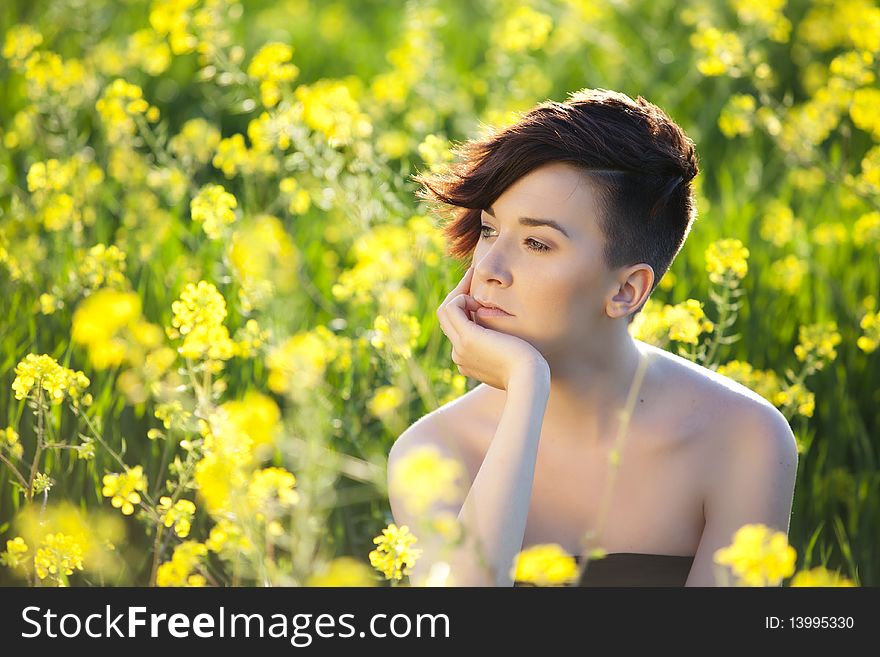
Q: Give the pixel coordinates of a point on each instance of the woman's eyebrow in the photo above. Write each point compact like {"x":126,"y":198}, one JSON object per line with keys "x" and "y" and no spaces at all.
{"x":531,"y":221}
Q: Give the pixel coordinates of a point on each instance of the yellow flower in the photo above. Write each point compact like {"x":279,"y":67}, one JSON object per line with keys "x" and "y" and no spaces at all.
{"x":424,"y":476}
{"x":57,"y":557}
{"x":547,"y":564}
{"x":738,"y":116}
{"x":686,"y":321}
{"x":13,"y":557}
{"x":870,"y":324}
{"x":396,"y":332}
{"x":180,"y":514}
{"x":820,"y":576}
{"x":726,"y":257}
{"x":270,"y":487}
{"x":179,"y":571}
{"x":817,"y":343}
{"x":779,"y":224}
{"x":213,"y":207}
{"x":523,"y":29}
{"x":720,"y":52}
{"x":330,"y":108}
{"x":758,"y":556}
{"x":788,"y":274}
{"x":343,"y":571}
{"x":45,"y":373}
{"x":269,"y":66}
{"x":196,"y":142}
{"x":122,"y":488}
{"x":98,"y":320}
{"x":20,"y":40}
{"x":395,"y":554}
{"x":765,"y":14}
{"x":385,"y":401}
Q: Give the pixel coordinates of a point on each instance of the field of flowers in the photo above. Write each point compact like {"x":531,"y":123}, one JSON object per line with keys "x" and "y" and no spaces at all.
{"x":219,"y":287}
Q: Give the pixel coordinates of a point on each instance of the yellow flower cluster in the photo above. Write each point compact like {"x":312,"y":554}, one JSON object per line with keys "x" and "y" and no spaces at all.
{"x":424,"y":476}
{"x":45,"y":373}
{"x":9,"y":439}
{"x":270,"y":491}
{"x":384,"y":256}
{"x":737,"y":116}
{"x":767,"y":384}
{"x":766,"y":14}
{"x":870,"y":323}
{"x":180,"y":514}
{"x":123,"y":488}
{"x":816,"y":342}
{"x":300,"y":200}
{"x":726,"y":260}
{"x":522,"y":29}
{"x":99,"y":319}
{"x":758,"y":556}
{"x":398,"y":333}
{"x":719,"y":52}
{"x":172,"y":18}
{"x":546,"y":564}
{"x":865,"y":110}
{"x":20,"y":41}
{"x":48,"y":78}
{"x":257,"y":415}
{"x":342,"y":571}
{"x":395,"y":553}
{"x":120,"y":105}
{"x":386,"y":401}
{"x":298,"y":365}
{"x":57,"y":557}
{"x":866,"y":230}
{"x":264,"y":260}
{"x":179,"y":571}
{"x":228,"y":540}
{"x":820,"y":576}
{"x":329,"y":107}
{"x":270,"y":67}
{"x":434,"y":150}
{"x":198,"y":316}
{"x":147,"y":51}
{"x":195,"y":144}
{"x":683,"y":322}
{"x":779,"y":225}
{"x":61,"y":191}
{"x":786,"y":275}
{"x":222,"y":474}
{"x":213,"y":207}
{"x":233,"y":156}
{"x":101,"y":265}
{"x":830,"y":233}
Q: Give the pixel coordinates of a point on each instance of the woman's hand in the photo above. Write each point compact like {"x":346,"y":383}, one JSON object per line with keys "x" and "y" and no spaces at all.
{"x":481,"y":353}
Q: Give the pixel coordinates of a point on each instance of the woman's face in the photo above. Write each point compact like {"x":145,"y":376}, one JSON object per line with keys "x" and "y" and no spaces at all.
{"x":552,"y":282}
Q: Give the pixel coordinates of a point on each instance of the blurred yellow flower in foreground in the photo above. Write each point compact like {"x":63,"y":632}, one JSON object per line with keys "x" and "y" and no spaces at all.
{"x":547,"y":564}
{"x":758,"y":556}
{"x":820,"y":576}
{"x":424,"y":476}
{"x":343,"y":571}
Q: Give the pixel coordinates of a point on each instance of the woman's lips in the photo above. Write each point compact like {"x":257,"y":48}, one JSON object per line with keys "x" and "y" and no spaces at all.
{"x":483,"y":311}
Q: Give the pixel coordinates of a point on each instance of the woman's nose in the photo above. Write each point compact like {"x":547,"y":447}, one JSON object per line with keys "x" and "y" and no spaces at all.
{"x":492,"y":263}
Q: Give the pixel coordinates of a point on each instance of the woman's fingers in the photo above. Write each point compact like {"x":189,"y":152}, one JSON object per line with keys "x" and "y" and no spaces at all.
{"x":458,"y":313}
{"x":463,"y":287}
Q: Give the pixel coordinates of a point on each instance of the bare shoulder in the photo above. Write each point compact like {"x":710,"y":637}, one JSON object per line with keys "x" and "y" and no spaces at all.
{"x":726,"y":400}
{"x":736,"y":420}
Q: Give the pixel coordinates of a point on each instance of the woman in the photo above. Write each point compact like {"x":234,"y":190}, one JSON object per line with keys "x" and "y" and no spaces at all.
{"x":569,"y":218}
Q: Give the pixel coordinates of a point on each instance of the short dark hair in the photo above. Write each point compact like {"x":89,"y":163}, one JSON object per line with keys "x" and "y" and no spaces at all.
{"x":640,"y":163}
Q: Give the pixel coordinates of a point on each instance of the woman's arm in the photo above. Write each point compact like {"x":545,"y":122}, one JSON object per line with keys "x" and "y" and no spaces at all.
{"x":496,"y":507}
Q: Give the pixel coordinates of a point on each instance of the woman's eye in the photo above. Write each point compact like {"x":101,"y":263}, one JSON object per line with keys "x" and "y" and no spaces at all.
{"x":532,"y":244}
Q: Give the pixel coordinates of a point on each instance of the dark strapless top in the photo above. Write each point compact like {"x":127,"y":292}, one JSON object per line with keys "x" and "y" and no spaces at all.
{"x":633,"y":569}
